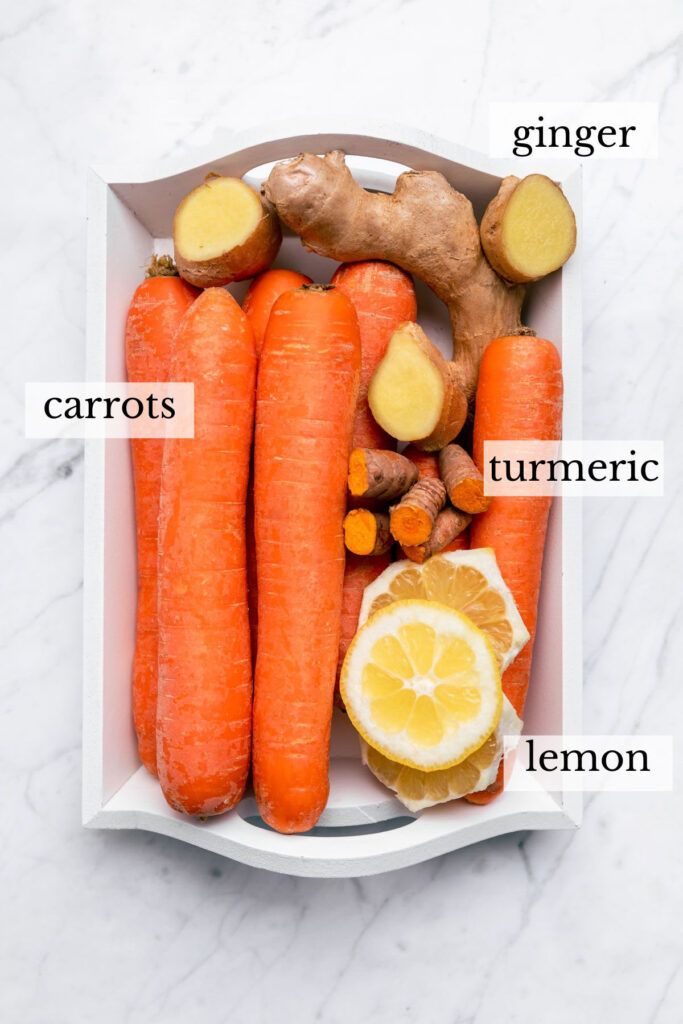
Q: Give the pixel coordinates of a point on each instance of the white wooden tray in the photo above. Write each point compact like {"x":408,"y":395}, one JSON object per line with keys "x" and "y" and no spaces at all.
{"x":363,"y":830}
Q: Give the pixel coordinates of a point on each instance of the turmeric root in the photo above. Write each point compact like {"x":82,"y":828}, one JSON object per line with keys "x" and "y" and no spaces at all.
{"x":366,"y":532}
{"x":412,"y":520}
{"x":464,"y":483}
{"x":529,"y":229}
{"x":413,"y":394}
{"x":449,"y":524}
{"x":223,"y":232}
{"x":425,"y":227}
{"x":381,"y":475}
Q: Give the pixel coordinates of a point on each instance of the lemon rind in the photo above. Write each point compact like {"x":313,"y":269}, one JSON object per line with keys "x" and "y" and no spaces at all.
{"x":465,"y":557}
{"x":391,"y":754}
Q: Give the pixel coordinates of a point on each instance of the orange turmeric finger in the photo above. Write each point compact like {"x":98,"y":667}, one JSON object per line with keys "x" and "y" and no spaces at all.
{"x":382,"y":475}
{"x":450,"y":523}
{"x":366,"y":532}
{"x":464,"y":482}
{"x":412,"y":520}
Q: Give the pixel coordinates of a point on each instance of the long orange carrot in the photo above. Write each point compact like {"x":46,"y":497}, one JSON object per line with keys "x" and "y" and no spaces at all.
{"x":383,"y":297}
{"x":307,"y":391}
{"x":359,"y":573}
{"x":262,"y":294}
{"x":204,"y":701}
{"x":461,"y":543}
{"x":157,"y":308}
{"x":519,"y":398}
{"x":427,"y":462}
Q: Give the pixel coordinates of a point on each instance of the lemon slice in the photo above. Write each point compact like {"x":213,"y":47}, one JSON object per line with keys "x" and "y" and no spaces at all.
{"x":417,"y":789}
{"x":421,"y":684}
{"x":469,"y":581}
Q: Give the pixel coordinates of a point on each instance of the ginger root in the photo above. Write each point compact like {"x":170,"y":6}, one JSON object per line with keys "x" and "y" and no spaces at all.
{"x":367,"y":532}
{"x":529,"y":229}
{"x":448,"y":525}
{"x":412,"y":520}
{"x":413,"y":393}
{"x":380,"y":475}
{"x":223,"y":232}
{"x":426,"y":227}
{"x":464,"y":483}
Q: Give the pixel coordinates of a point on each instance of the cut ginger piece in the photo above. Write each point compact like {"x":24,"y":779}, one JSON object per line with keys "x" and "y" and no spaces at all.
{"x":528,"y":230}
{"x":223,"y":232}
{"x":413,"y":393}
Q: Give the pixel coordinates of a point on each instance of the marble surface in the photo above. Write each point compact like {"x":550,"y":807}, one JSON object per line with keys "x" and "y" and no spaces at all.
{"x":536,"y":927}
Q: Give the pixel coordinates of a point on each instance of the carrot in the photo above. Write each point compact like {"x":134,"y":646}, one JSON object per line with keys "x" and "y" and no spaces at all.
{"x":427,"y":462}
{"x":204,"y":702}
{"x":306,"y":398}
{"x":459,"y":543}
{"x":261,"y":295}
{"x":157,"y":308}
{"x":519,"y":398}
{"x":383,"y":297}
{"x":360,"y":573}
{"x":260,"y":298}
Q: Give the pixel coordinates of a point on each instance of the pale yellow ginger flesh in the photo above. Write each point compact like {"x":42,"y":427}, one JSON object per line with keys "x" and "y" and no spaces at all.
{"x":529,"y":229}
{"x":223,"y":232}
{"x":406,"y":393}
{"x":216,"y":217}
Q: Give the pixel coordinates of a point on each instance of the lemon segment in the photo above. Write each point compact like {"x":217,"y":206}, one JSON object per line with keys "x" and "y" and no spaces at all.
{"x":418,"y":790}
{"x":468,"y":581}
{"x":377,"y":683}
{"x":418,"y":641}
{"x":421,"y":684}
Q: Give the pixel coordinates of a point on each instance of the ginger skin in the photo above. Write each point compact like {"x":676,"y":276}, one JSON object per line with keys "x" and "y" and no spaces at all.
{"x":425,"y":227}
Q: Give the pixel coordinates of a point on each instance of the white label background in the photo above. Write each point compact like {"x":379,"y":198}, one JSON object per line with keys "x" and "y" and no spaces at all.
{"x":585,"y":452}
{"x":504,"y":118}
{"x":659,"y":778}
{"x":39,"y":425}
